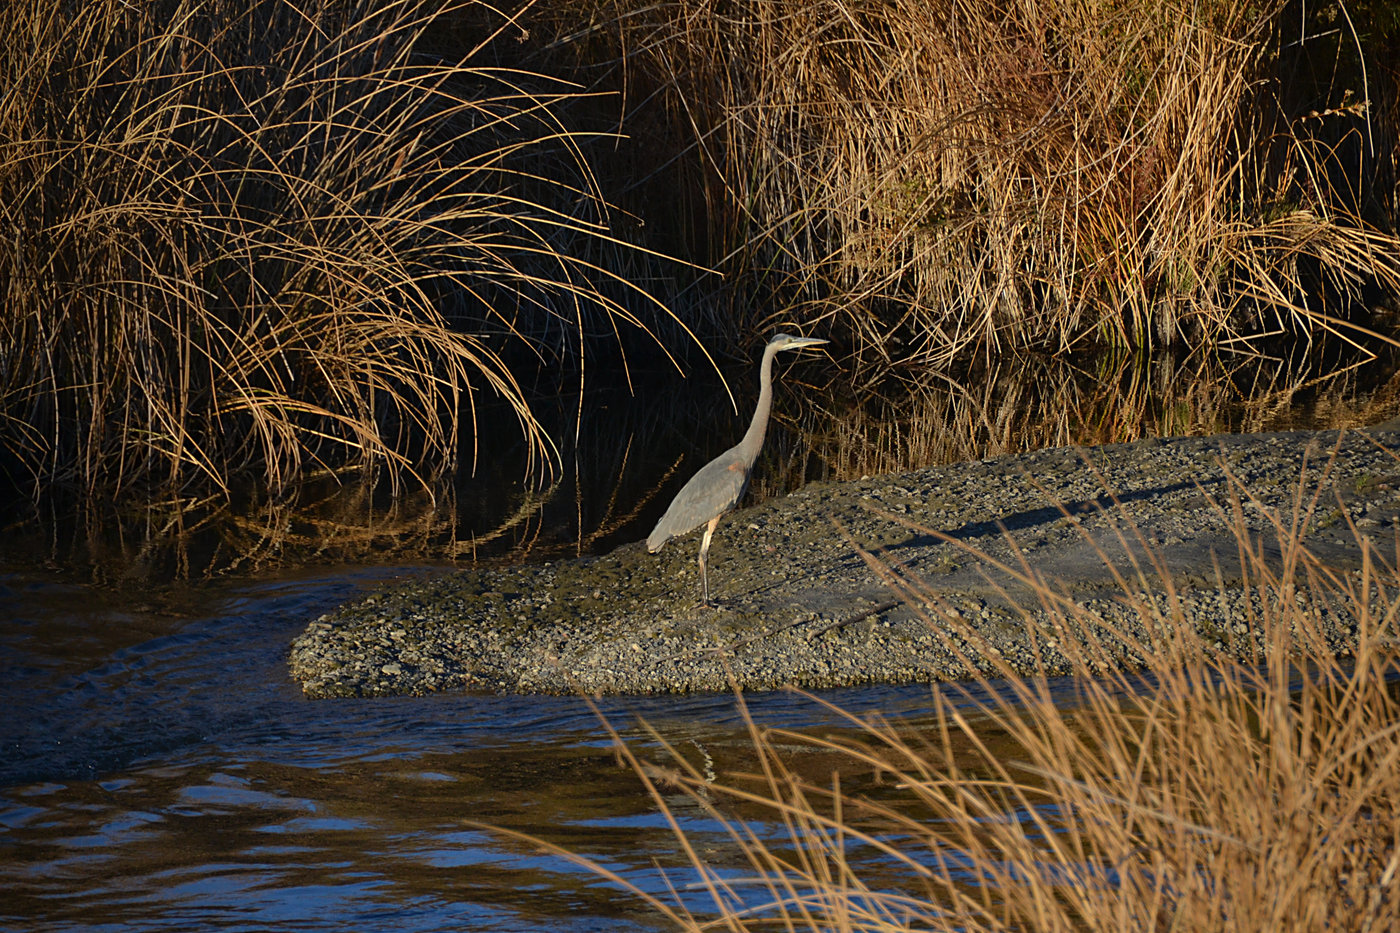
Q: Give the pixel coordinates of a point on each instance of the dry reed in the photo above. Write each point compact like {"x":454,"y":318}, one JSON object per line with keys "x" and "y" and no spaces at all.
{"x":1240,"y":785}
{"x":937,"y":180}
{"x":244,"y":242}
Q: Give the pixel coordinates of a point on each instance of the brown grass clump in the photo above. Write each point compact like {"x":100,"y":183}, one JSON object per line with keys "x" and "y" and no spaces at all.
{"x":243,"y":241}
{"x":1229,"y":790}
{"x":941,"y":180}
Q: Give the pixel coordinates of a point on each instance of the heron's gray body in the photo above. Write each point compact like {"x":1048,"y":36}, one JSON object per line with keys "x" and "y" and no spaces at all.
{"x":721,"y":483}
{"x":715,"y":490}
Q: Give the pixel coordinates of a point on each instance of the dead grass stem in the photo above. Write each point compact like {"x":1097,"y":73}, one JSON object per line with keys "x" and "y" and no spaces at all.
{"x":938,"y":180}
{"x":244,"y":242}
{"x":1212,"y":789}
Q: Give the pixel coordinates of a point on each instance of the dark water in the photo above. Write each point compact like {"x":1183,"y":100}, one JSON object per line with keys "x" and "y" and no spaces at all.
{"x":158,"y":769}
{"x":161,"y":772}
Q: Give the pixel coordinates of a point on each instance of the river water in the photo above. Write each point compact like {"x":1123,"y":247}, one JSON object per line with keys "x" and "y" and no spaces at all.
{"x":159,"y":770}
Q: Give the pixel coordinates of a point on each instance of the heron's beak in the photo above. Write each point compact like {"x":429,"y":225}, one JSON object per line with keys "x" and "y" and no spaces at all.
{"x":806,"y":342}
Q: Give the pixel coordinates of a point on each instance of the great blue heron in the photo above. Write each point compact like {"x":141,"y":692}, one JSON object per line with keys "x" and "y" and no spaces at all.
{"x":719,"y":485}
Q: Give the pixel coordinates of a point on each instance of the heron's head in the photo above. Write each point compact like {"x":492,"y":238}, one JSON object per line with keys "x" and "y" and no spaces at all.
{"x":789,"y":342}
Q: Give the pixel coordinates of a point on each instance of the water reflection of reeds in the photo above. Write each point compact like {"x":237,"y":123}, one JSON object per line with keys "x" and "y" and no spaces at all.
{"x":1008,"y":407}
{"x":623,"y":452}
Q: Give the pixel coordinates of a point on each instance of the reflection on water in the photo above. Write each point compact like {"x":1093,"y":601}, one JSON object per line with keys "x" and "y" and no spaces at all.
{"x":1009,"y":407}
{"x":629,"y":448}
{"x":160,"y":771}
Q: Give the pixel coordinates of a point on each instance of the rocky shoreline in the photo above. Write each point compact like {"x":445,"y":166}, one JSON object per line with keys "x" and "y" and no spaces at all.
{"x":798,"y":603}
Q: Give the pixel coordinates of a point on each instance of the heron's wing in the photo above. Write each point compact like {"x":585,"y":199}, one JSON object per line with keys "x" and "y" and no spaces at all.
{"x":710,"y":493}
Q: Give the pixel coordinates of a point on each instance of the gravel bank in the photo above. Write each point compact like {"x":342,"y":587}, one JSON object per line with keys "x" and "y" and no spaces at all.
{"x":798,"y":604}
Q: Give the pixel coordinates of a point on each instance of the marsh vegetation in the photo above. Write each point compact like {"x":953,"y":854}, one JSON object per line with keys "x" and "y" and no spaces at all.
{"x":289,"y":273}
{"x":250,"y":244}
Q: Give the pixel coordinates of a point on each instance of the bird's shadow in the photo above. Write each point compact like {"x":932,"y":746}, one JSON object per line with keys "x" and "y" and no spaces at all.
{"x":1046,"y":515}
{"x":914,"y":550}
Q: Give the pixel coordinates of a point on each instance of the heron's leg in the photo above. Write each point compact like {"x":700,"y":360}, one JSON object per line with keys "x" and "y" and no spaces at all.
{"x":704,"y":554}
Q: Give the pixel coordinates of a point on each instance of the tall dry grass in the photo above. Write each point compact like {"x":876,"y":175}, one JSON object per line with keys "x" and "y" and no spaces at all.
{"x":244,"y":241}
{"x":938,"y":180}
{"x":1246,"y":779}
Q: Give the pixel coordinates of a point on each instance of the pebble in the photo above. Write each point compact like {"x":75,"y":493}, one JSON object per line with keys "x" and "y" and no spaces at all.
{"x":801,"y":613}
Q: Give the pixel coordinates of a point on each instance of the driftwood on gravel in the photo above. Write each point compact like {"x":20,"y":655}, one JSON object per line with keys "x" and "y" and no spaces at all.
{"x":803,"y":586}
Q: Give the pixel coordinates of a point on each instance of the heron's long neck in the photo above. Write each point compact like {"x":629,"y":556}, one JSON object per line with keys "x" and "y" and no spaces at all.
{"x":753,"y":438}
